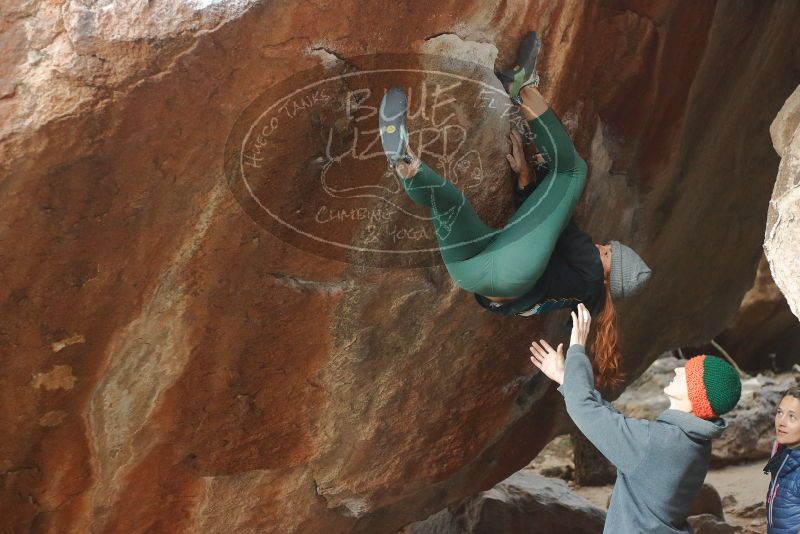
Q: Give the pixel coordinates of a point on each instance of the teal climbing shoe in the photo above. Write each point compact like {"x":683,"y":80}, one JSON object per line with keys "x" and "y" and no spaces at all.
{"x":392,"y":126}
{"x":524,"y":73}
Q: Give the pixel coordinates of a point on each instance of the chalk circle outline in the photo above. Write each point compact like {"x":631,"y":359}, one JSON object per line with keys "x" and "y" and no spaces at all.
{"x":240,"y":175}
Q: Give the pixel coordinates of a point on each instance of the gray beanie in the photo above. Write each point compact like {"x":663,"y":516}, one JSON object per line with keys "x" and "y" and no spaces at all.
{"x":628,"y":271}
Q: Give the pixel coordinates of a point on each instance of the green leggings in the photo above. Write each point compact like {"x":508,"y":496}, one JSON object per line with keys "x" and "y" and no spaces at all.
{"x":507,"y":262}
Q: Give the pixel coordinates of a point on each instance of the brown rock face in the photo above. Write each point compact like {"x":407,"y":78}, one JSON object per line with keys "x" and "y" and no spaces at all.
{"x":168,"y":365}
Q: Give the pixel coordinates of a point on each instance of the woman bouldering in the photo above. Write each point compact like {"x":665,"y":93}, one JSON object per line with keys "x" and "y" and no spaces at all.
{"x":540,"y":260}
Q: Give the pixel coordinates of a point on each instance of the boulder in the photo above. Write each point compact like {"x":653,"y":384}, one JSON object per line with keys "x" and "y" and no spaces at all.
{"x":764,"y":334}
{"x":591,"y":467}
{"x":707,"y":502}
{"x":782,"y":238}
{"x":174,"y":360}
{"x":524,"y":502}
{"x":709,"y":524}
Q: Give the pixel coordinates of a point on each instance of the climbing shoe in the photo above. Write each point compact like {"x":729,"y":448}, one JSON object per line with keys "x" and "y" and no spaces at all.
{"x":524,"y":73}
{"x":392,"y":126}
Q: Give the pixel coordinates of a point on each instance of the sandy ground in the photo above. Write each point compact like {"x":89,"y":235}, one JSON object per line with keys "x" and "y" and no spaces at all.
{"x":742,"y":487}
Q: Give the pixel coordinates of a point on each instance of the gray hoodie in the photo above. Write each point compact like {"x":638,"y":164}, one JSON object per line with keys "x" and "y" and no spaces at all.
{"x":660,"y":464}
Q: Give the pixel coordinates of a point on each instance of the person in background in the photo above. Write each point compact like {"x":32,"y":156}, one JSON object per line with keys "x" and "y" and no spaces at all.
{"x":783,"y":496}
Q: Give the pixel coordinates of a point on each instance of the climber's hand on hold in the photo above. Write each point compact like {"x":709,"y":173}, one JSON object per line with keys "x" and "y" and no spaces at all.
{"x":549,"y":360}
{"x":517,"y":158}
{"x":581,"y":322}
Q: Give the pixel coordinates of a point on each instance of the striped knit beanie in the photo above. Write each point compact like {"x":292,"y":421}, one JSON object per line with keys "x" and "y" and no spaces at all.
{"x":714,"y":386}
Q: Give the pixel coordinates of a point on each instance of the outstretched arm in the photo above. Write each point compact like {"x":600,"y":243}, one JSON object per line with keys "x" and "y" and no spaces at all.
{"x":623,"y":440}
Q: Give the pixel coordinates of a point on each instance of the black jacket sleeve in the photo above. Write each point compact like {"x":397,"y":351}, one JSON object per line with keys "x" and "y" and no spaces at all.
{"x":581,"y":269}
{"x":578,"y":249}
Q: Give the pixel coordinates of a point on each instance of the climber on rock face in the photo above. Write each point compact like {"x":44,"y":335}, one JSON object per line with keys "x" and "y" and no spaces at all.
{"x":540,"y":261}
{"x":661,"y":464}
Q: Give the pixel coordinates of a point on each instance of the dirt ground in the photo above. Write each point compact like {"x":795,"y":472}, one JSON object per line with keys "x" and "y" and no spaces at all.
{"x":742,"y":487}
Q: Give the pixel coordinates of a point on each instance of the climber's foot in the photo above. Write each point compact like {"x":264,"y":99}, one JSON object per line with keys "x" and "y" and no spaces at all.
{"x":524,"y":72}
{"x":392,"y":127}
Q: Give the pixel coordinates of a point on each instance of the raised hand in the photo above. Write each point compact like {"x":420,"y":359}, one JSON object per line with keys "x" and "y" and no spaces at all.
{"x":549,"y":360}
{"x":581,"y":322}
{"x":407,"y":170}
{"x":517,"y":156}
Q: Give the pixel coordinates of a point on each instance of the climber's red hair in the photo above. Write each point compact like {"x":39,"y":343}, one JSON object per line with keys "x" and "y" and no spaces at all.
{"x":606,"y":351}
